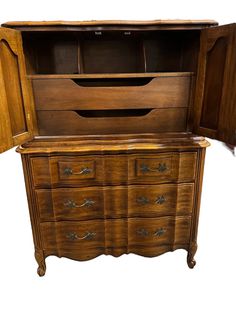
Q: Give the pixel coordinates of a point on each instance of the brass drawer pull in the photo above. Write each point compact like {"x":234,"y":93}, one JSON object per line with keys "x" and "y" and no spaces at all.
{"x":88,"y":236}
{"x":143,"y":232}
{"x":160,"y":200}
{"x":159,"y":232}
{"x":69,"y":171}
{"x":144,"y":200}
{"x":160,"y":168}
{"x":72,"y":204}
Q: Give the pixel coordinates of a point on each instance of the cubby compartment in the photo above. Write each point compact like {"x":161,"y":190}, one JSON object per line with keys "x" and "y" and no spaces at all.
{"x":90,"y":52}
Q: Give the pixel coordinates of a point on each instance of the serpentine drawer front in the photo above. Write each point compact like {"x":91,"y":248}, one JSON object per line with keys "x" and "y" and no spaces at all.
{"x":122,"y":236}
{"x":114,"y":169}
{"x":110,"y":119}
{"x":115,"y":202}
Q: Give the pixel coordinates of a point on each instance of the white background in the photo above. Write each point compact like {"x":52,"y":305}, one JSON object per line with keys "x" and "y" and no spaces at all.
{"x":129,"y":284}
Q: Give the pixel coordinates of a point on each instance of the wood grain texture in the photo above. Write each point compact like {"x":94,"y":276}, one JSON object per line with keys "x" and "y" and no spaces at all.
{"x":109,"y":75}
{"x":17,"y":112}
{"x":196,"y":209}
{"x":180,"y":167}
{"x":110,"y":25}
{"x":112,"y":170}
{"x":120,"y":234}
{"x":110,"y":22}
{"x":215,"y":98}
{"x":157,"y":120}
{"x":115,"y":202}
{"x":66,"y":94}
{"x":110,"y":143}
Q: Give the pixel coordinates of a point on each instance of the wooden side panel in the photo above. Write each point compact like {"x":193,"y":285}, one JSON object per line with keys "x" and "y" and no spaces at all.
{"x":17,"y":117}
{"x":215,"y":101}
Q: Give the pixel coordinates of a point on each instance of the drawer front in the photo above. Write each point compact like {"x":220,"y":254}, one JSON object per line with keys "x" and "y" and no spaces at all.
{"x":115,"y":202}
{"x":161,"y":200}
{"x":116,"y":236}
{"x":165,"y":167}
{"x":72,"y":235}
{"x":94,"y":236}
{"x":155,"y":104}
{"x":70,"y":204}
{"x":159,"y":231}
{"x":75,"y":122}
{"x":113,"y":170}
{"x":69,"y":94}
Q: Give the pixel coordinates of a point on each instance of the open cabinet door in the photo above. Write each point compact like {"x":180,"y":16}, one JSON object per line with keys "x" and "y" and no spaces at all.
{"x":215,"y":98}
{"x":17,"y":116}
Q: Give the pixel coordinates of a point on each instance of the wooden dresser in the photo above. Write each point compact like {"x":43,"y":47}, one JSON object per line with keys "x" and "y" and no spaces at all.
{"x":110,"y":117}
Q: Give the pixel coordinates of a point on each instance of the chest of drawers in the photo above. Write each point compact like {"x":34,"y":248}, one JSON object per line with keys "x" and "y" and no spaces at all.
{"x":110,"y":119}
{"x":142,"y":200}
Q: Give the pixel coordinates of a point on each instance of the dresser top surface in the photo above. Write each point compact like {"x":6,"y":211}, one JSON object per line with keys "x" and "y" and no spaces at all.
{"x":70,"y":25}
{"x":113,"y":143}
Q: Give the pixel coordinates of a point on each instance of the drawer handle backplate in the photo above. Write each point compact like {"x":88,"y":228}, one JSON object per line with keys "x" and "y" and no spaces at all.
{"x":72,"y":204}
{"x":143,"y":232}
{"x":144,"y":200}
{"x":160,"y":200}
{"x":160,"y":168}
{"x":85,"y":170}
{"x":88,"y":236}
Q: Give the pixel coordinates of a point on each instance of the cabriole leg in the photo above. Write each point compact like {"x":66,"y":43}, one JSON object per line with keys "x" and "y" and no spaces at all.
{"x":191,"y":252}
{"x":39,"y":256}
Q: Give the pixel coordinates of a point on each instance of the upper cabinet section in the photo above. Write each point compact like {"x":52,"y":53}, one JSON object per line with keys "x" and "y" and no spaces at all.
{"x":98,"y":47}
{"x":215,"y":101}
{"x":17,"y":113}
{"x":99,"y":52}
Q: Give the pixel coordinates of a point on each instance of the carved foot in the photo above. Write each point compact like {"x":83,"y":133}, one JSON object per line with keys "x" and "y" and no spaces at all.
{"x":39,"y":256}
{"x":190,"y":258}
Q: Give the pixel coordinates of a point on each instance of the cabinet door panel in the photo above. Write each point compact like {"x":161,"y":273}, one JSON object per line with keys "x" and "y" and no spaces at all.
{"x":215,"y":101}
{"x":17,"y":114}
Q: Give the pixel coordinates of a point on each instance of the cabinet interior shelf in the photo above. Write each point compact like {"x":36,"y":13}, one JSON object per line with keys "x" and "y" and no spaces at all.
{"x":108,"y":75}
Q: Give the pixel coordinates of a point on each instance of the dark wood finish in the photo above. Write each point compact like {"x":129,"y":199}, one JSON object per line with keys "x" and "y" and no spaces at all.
{"x":114,"y":167}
